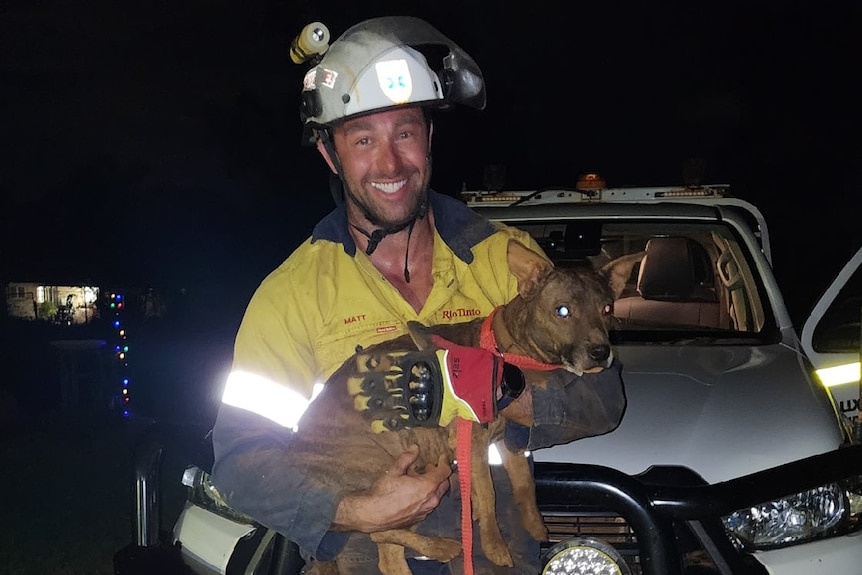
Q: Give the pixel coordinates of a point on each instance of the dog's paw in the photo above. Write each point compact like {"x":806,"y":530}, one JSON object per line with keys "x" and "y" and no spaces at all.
{"x":537,"y":531}
{"x":444,"y":550}
{"x":534,"y":524}
{"x":498,"y":553}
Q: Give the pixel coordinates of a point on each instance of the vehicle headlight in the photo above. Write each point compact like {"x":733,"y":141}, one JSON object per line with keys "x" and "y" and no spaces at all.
{"x":811,"y":514}
{"x":584,"y":556}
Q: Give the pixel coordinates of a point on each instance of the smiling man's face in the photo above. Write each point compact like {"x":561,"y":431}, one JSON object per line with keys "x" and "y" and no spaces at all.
{"x":386,"y":165}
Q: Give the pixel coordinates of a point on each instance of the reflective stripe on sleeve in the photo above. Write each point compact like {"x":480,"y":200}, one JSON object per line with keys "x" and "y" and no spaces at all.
{"x":266,"y":397}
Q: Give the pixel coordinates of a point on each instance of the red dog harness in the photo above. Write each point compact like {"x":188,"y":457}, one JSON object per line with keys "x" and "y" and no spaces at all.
{"x":488,"y":341}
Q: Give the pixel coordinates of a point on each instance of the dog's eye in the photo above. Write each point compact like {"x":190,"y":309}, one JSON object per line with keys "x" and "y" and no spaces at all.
{"x":609,"y":309}
{"x":563,"y":311}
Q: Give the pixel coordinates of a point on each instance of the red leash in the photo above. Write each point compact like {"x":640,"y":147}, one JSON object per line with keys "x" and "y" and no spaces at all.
{"x":464,"y":441}
{"x":463,"y":446}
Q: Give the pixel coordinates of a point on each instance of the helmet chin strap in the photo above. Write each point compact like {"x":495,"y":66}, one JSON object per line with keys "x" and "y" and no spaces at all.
{"x":375,"y":236}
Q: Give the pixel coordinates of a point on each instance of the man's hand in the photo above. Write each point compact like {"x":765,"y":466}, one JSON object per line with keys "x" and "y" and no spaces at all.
{"x":399,"y":498}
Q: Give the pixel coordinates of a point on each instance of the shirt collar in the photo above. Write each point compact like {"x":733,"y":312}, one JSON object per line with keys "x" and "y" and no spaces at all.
{"x":459,"y":226}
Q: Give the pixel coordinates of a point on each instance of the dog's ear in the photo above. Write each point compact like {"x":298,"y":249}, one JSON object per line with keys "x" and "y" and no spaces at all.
{"x":420,"y":333}
{"x":619,"y":270}
{"x":526,"y":265}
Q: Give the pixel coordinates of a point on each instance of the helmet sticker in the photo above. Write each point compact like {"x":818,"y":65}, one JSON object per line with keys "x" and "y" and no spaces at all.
{"x":329,"y":77}
{"x":308,"y":80}
{"x":394,"y":79}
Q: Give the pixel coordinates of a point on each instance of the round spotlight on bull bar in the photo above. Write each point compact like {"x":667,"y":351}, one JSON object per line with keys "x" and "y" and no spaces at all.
{"x":584,"y":556}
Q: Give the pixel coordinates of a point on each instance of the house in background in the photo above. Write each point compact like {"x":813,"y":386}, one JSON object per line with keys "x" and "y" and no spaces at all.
{"x":54,"y":303}
{"x":55,"y":368}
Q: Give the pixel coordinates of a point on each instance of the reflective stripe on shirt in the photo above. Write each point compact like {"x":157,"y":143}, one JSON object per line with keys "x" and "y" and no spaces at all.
{"x":267,"y":398}
{"x":282,"y":405}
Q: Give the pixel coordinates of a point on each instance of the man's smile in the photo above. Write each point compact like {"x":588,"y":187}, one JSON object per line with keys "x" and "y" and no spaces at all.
{"x":389,"y":187}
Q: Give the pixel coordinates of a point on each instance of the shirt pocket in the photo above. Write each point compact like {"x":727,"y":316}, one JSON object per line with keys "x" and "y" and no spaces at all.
{"x":338,"y":342}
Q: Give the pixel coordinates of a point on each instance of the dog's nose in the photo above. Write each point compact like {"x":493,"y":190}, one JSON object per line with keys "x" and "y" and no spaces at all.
{"x":600,"y":352}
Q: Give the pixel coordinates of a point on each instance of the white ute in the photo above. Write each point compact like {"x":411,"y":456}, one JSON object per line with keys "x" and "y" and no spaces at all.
{"x":735,"y":454}
{"x":717,"y":381}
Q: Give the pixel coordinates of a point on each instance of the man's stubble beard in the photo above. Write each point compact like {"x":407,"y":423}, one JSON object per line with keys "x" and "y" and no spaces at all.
{"x":379,"y":220}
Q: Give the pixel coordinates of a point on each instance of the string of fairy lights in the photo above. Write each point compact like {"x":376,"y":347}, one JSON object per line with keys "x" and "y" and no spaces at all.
{"x":121,"y":350}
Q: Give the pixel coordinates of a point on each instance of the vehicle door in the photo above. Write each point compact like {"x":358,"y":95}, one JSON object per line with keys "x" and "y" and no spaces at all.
{"x":831,"y":337}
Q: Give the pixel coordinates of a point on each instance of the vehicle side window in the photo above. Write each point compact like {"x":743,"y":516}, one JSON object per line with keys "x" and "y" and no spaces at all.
{"x":839,"y":330}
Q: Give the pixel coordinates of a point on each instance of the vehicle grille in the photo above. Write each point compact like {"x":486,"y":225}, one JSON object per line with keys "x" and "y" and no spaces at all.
{"x":608,"y":527}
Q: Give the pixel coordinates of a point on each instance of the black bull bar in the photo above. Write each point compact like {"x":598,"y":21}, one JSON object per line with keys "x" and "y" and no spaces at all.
{"x":651,"y":509}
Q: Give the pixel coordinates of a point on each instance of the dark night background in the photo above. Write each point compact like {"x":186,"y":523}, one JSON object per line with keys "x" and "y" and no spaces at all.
{"x":157,"y":144}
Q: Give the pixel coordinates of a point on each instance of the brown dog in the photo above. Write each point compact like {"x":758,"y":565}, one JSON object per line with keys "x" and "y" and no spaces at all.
{"x":560,"y":317}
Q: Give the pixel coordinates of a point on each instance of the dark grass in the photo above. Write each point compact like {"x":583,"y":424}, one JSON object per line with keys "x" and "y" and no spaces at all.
{"x":67,"y":470}
{"x":67,"y":495}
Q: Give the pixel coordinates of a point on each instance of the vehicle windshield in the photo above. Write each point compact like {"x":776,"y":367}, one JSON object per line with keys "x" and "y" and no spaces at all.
{"x":694,"y":284}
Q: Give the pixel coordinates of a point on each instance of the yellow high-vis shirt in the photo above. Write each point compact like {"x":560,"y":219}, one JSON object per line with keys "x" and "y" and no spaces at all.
{"x":309,"y":315}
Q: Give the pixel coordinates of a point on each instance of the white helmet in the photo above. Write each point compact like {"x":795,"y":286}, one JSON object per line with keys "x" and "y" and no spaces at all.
{"x":386,"y":62}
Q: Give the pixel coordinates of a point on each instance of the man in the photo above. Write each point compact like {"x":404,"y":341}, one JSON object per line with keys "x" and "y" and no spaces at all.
{"x":393,"y":251}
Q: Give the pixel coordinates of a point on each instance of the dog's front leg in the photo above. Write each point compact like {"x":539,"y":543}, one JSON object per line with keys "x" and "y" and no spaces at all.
{"x":483,"y":496}
{"x":391,"y":560}
{"x":438,"y":548}
{"x":524,"y":491}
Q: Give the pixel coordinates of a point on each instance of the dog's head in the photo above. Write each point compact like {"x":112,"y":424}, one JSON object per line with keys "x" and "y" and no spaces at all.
{"x":562,"y":315}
